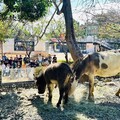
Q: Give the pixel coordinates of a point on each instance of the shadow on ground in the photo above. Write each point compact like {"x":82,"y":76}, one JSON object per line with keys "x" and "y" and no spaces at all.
{"x":9,"y":105}
{"x":78,"y":110}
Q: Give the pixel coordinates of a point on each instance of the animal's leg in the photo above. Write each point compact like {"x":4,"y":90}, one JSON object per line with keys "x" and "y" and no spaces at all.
{"x":117,"y":93}
{"x":91,"y":88}
{"x":55,"y":85}
{"x":50,"y":89}
{"x":66,"y":98}
{"x":60,"y":98}
{"x":67,"y":89}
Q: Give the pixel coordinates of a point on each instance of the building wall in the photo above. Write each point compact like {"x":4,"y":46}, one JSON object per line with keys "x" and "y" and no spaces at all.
{"x":89,"y":47}
{"x":8,"y":48}
{"x":40,"y":46}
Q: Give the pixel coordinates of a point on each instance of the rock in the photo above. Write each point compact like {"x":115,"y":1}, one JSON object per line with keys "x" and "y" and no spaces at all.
{"x":3,"y":93}
{"x":107,"y":80}
{"x":18,"y":92}
{"x":111,"y":84}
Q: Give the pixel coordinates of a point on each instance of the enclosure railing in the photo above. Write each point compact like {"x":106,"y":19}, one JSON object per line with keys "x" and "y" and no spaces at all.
{"x":18,"y":77}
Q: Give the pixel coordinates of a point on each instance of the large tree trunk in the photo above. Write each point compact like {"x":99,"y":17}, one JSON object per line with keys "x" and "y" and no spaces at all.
{"x":70,"y":36}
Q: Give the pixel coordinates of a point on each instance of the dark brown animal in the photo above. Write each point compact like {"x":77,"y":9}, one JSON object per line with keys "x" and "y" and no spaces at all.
{"x":103,"y":64}
{"x":59,"y":74}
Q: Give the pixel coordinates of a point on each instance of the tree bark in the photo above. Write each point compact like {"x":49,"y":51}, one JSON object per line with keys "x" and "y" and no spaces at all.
{"x":70,"y":36}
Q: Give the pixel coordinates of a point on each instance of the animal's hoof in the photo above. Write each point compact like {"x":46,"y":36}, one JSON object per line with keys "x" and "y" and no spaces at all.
{"x":49,"y":100}
{"x":58,"y":105}
{"x":117,"y":94}
{"x":91,"y":99}
{"x":65,"y":102}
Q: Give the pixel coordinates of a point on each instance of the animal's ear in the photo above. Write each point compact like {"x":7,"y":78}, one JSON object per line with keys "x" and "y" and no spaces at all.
{"x":73,"y":77}
{"x":36,"y":82}
{"x":34,"y":77}
{"x":74,"y":74}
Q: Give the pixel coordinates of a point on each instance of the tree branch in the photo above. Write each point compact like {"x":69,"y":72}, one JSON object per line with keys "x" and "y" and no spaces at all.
{"x":57,"y":7}
{"x":47,"y":25}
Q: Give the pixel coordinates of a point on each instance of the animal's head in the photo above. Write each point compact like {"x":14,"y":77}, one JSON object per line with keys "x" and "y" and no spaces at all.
{"x":40,"y":81}
{"x":37,"y":72}
{"x":73,"y":85}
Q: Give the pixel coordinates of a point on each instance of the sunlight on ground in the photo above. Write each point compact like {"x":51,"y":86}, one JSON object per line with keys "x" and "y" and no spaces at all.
{"x":80,"y":94}
{"x":27,"y":104}
{"x":82,"y":117}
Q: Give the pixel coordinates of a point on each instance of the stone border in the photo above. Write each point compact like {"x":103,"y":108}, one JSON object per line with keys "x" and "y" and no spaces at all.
{"x":16,"y":85}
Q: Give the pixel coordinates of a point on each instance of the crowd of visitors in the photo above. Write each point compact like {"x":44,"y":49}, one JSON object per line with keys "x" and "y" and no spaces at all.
{"x":19,"y":62}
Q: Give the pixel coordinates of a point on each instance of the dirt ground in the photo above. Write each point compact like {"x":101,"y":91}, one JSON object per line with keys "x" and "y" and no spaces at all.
{"x":26,"y":104}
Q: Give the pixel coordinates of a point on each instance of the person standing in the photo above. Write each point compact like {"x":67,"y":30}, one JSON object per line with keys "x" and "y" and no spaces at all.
{"x":19,"y":73}
{"x":16,"y":60}
{"x":49,"y":59}
{"x":14,"y":63}
{"x":66,"y":57}
{"x":4,"y":58}
{"x":20,"y":61}
{"x":3,"y":69}
{"x":40,"y":59}
{"x":7,"y":70}
{"x":54,"y":59}
{"x":26,"y":59}
{"x":11,"y":62}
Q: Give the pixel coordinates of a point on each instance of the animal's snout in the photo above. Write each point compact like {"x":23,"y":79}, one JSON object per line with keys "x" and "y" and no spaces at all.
{"x":34,"y":77}
{"x":40,"y":92}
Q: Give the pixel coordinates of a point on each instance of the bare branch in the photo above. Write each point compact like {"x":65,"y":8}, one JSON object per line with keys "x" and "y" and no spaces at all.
{"x":46,"y":26}
{"x":57,"y":6}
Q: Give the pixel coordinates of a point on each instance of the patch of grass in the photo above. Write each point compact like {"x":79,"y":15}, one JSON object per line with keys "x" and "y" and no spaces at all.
{"x":70,"y":62}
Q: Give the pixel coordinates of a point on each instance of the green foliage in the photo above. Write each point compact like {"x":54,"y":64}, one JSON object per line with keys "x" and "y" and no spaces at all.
{"x":3,"y":30}
{"x":79,"y":30}
{"x":108,"y":24}
{"x":57,"y":27}
{"x":109,"y":30}
{"x":30,"y":10}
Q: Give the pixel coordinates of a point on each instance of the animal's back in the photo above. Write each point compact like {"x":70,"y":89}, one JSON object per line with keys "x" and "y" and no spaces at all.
{"x":57,"y":72}
{"x":109,"y":64}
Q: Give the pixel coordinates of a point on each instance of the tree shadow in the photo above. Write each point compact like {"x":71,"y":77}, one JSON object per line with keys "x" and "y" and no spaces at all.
{"x":75,"y":110}
{"x":105,"y":110}
{"x":9,"y":105}
{"x":47,"y":111}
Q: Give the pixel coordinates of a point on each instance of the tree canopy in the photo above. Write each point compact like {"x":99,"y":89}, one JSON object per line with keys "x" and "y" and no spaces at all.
{"x":108,"y":24}
{"x":4,"y":30}
{"x":30,"y":10}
